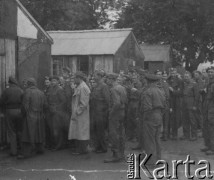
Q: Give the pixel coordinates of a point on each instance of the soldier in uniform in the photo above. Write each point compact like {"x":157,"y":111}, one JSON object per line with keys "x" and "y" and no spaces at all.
{"x":67,"y":89}
{"x":175,"y":88}
{"x":10,"y":103}
{"x":101,"y":100}
{"x":127,"y":84}
{"x":139,"y":118}
{"x":34,"y":107}
{"x":58,"y":118}
{"x":190,"y":100}
{"x":165,"y":87}
{"x":47,"y":85}
{"x":132,"y":110}
{"x":200,"y":85}
{"x":152,"y":106}
{"x":93,"y":137}
{"x":208,"y":132}
{"x":118,"y":100}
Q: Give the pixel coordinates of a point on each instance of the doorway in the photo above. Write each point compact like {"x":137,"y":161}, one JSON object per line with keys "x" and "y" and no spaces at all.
{"x":83,"y":64}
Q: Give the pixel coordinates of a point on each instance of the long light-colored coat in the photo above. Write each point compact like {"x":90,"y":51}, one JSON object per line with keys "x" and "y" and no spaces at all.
{"x":80,"y":121}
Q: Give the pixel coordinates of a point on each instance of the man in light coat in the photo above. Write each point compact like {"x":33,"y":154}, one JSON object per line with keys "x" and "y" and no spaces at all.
{"x":80,"y":120}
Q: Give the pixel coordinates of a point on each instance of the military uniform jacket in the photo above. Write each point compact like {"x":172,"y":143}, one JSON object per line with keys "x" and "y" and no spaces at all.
{"x":153,"y":104}
{"x":190,"y":95}
{"x":56,"y":99}
{"x":101,"y":96}
{"x":11,"y":98}
{"x":210,"y":101}
{"x":118,"y":98}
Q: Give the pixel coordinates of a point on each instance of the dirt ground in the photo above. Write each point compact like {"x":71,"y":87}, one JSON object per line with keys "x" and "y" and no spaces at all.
{"x":62,"y":165}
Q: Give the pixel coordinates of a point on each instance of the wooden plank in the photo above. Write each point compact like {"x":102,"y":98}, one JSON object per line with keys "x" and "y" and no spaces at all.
{"x":1,"y":62}
{"x":108,"y":64}
{"x":98,"y":62}
{"x":74,"y":64}
{"x":3,"y":67}
{"x":10,"y":58}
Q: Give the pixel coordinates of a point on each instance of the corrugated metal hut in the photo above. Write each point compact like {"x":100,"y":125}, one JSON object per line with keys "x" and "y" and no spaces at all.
{"x":157,"y":57}
{"x":111,"y":50}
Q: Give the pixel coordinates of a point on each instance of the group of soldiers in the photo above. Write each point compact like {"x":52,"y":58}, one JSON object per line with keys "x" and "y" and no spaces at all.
{"x":109,"y":109}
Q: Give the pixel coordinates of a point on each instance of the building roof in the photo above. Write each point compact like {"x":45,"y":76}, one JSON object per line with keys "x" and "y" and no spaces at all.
{"x":20,"y":5}
{"x":88,"y":42}
{"x":156,"y":52}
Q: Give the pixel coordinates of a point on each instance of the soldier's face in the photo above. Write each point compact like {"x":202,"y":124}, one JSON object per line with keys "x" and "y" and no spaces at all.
{"x":93,"y":83}
{"x":173,"y":73}
{"x":54,"y":82}
{"x":186,"y":77}
{"x":165,"y":76}
{"x":47,"y":83}
{"x":72,"y":84}
{"x":120,"y":80}
{"x":196,"y":75}
{"x":77,"y":80}
{"x":211,"y":73}
{"x":109,"y":81}
{"x":97,"y":77}
{"x":65,"y":74}
{"x":159,"y":74}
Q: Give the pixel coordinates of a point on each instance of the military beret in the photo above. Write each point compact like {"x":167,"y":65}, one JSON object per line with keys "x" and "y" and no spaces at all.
{"x":141,"y":71}
{"x":152,"y":77}
{"x":127,"y":78}
{"x":112,"y":76}
{"x":187,"y":72}
{"x":31,"y":81}
{"x":196,"y":71}
{"x":157,"y":71}
{"x":80,"y":75}
{"x":172,"y":69}
{"x":66,"y":69}
{"x":210,"y":68}
{"x":100,"y":73}
{"x":54,"y":77}
{"x":12,"y":80}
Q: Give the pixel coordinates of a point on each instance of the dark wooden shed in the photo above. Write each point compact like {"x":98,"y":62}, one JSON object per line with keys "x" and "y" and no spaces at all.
{"x":25,"y":48}
{"x":111,"y":50}
{"x":157,"y":57}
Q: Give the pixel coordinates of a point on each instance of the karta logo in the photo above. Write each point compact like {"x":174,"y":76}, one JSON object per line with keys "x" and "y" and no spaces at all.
{"x":138,"y":164}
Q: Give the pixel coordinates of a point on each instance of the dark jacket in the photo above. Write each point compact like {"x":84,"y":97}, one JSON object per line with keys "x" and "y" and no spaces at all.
{"x":11,"y":97}
{"x":56,"y":99}
{"x":35,"y":104}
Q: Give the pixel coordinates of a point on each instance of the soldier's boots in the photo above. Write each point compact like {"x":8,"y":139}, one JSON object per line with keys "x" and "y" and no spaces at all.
{"x":205,"y":149}
{"x":138,"y":147}
{"x":209,"y":153}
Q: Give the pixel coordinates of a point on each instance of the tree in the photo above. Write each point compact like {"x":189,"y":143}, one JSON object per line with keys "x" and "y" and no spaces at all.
{"x":187,"y":25}
{"x":71,"y":14}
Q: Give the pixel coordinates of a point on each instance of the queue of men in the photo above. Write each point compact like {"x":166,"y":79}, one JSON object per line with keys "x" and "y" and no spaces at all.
{"x":106,"y":110}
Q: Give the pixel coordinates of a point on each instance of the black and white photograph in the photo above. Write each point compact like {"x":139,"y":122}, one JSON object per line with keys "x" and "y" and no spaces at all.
{"x":106,"y":89}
